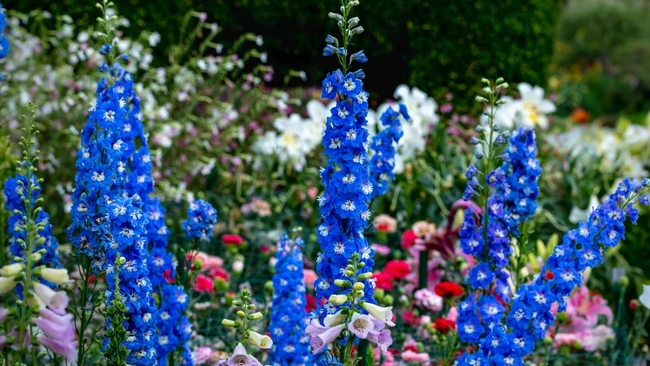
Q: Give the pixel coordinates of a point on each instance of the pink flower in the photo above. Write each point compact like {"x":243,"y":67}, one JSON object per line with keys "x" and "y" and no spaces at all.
{"x":58,"y":334}
{"x":382,"y":339}
{"x":213,"y":262}
{"x":204,"y":284}
{"x":57,"y":301}
{"x":203,"y":355}
{"x":320,"y":336}
{"x":383,"y":358}
{"x":196,"y":255}
{"x":452,"y":314}
{"x":385,"y":224}
{"x":360,"y":325}
{"x":381,"y":249}
{"x":428,"y":300}
{"x":414,"y":357}
{"x":309,"y":276}
{"x":584,"y":308}
{"x":565,"y":339}
{"x":422,"y":228}
{"x":241,"y":358}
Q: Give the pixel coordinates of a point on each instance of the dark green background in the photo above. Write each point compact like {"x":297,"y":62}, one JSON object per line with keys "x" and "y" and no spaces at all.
{"x":436,"y":45}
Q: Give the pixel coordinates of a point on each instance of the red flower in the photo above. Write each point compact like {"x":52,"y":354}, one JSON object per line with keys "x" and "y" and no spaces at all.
{"x":443,"y":325}
{"x":549,"y":275}
{"x":311,"y":303}
{"x":409,"y":318}
{"x":232,"y":239}
{"x":204,"y":284}
{"x":219,"y":272}
{"x":448,"y":289}
{"x":168,"y":276}
{"x":408,"y":239}
{"x":397,"y":269}
{"x":383,"y":281}
{"x":634,"y":304}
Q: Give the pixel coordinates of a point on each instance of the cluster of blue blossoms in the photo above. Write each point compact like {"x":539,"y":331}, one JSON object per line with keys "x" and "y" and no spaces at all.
{"x":108,"y":217}
{"x":512,"y":202}
{"x":530,"y":313}
{"x":201,"y":218}
{"x":15,"y":193}
{"x":348,"y":188}
{"x":384,"y":144}
{"x":288,"y":315}
{"x":4,"y":42}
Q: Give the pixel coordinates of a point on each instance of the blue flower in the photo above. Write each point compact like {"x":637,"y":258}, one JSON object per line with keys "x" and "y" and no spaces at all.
{"x":15,"y":191}
{"x":201,"y":218}
{"x":382,"y":163}
{"x":288,"y":316}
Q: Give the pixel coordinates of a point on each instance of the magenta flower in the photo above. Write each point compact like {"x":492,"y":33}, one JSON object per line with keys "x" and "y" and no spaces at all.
{"x":241,"y":358}
{"x":58,"y":334}
{"x":361,"y":325}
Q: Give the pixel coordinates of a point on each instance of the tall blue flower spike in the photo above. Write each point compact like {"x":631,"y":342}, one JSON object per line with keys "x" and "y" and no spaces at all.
{"x":384,"y":146}
{"x":288,"y":315}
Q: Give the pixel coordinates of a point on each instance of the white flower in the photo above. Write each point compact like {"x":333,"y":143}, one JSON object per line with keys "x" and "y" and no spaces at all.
{"x":262,"y":341}
{"x":578,"y":215}
{"x":334,"y":319}
{"x":6,"y":284}
{"x":530,"y":110}
{"x":645,"y":296}
{"x":55,"y":275}
{"x":384,"y":314}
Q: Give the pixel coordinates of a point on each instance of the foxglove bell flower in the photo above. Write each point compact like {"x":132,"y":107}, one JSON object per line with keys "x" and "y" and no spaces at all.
{"x":288,"y":316}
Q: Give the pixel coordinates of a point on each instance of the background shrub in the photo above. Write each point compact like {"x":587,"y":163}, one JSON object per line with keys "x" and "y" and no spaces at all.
{"x":444,"y":45}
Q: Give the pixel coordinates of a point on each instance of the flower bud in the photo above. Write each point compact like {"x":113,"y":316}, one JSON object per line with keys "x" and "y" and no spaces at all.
{"x":342,"y":283}
{"x":6,"y":284}
{"x":379,"y":294}
{"x":255,"y":316}
{"x":338,"y":299}
{"x":349,"y":273}
{"x":357,"y":30}
{"x":358,"y":286}
{"x":230,"y":323}
{"x":335,"y":16}
{"x":241,"y":314}
{"x":388,"y":300}
{"x":624,"y":281}
{"x":55,"y":275}
{"x":365,"y":276}
{"x":11,"y":269}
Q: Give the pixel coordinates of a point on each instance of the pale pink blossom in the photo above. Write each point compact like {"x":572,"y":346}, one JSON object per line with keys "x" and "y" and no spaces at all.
{"x":415,"y":357}
{"x":428,"y":300}
{"x":309,"y":276}
{"x":385,"y":223}
{"x":381,"y":249}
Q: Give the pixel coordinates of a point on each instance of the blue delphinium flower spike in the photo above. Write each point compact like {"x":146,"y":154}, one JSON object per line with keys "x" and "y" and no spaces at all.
{"x":288,"y":314}
{"x":383,"y":146}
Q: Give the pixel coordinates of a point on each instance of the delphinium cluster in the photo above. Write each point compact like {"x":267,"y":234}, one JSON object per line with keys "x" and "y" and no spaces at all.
{"x":345,"y":263}
{"x":508,"y":199}
{"x":384,"y":145}
{"x":176,"y":328}
{"x":246,"y":335}
{"x":507,"y":193}
{"x":4,"y":42}
{"x":108,"y":221}
{"x":34,"y":270}
{"x":288,"y":315}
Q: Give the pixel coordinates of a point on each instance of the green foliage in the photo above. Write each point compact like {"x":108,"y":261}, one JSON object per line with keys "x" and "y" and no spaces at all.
{"x":604,"y":45}
{"x":455,"y":43}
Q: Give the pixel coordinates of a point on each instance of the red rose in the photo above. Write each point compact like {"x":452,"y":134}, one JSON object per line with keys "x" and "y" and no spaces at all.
{"x":443,"y":325}
{"x":204,"y":284}
{"x":383,"y":281}
{"x":232,"y":239}
{"x":397,"y":269}
{"x":448,"y":289}
{"x":408,"y":239}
